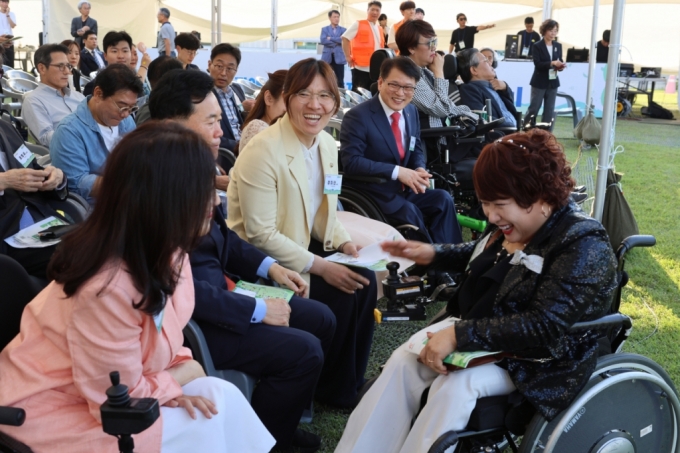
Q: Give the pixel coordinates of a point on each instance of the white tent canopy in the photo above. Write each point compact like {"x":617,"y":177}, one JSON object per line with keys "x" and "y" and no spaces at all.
{"x":651,"y":36}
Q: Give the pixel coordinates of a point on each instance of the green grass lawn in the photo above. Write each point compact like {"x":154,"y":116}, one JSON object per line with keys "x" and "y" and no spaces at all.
{"x":651,"y":184}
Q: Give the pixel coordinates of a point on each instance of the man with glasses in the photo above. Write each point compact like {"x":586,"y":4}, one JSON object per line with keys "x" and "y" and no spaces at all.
{"x":381,"y":138}
{"x":52,"y":101}
{"x":223,"y":65}
{"x":187,"y":45}
{"x":83,"y":140}
{"x":463,"y":37}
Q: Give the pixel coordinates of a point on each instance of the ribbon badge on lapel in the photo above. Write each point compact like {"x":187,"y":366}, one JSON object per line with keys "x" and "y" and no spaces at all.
{"x":532,"y":262}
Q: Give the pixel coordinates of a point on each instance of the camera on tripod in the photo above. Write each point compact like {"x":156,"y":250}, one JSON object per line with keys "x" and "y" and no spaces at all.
{"x":123,"y":416}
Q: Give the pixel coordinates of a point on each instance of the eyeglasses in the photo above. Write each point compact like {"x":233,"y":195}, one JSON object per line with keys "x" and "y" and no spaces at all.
{"x":193,"y":52}
{"x":395,"y":87}
{"x":325,"y":98}
{"x":464,"y":19}
{"x":432,"y":44}
{"x":123,"y":110}
{"x":221,"y":68}
{"x":62,"y":66}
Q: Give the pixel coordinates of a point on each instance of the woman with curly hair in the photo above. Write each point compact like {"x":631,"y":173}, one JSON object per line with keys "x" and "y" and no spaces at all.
{"x":542,"y":266}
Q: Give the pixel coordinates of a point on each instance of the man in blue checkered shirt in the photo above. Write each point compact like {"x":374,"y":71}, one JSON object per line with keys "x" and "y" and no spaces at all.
{"x":223,"y":65}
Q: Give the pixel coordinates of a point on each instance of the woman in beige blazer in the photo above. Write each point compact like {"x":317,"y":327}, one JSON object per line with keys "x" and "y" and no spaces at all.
{"x":281,"y":200}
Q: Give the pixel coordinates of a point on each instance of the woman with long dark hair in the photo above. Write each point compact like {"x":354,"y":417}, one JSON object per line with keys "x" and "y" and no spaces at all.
{"x":121,"y":295}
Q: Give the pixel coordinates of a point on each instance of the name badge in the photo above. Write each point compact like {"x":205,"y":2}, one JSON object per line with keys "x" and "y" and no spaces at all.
{"x":239,"y":105}
{"x":412,"y":144}
{"x":525,"y":51}
{"x":552,"y":74}
{"x":479,"y":248}
{"x":158,"y":320}
{"x":461,"y":44}
{"x":332,"y":185}
{"x":24,"y":156}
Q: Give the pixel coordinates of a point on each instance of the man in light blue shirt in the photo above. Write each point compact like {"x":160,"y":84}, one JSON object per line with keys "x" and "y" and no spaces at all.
{"x":83,"y":140}
{"x":166,"y":34}
{"x":52,"y":101}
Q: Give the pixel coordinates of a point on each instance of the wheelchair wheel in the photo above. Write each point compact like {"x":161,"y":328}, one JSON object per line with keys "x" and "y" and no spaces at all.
{"x":630,"y":405}
{"x":353,"y":200}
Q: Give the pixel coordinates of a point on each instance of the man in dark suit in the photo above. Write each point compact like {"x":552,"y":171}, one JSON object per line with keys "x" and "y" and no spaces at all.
{"x":91,"y":58}
{"x":280,"y":344}
{"x":223,"y":65}
{"x":481,"y":84}
{"x":381,"y":137}
{"x":25,"y":191}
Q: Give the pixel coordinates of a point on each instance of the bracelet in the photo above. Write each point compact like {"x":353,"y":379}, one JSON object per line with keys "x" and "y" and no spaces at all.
{"x":341,"y":246}
{"x":142,"y":66}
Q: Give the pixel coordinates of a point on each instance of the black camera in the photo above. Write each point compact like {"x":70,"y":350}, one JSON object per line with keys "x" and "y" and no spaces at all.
{"x":123,"y":416}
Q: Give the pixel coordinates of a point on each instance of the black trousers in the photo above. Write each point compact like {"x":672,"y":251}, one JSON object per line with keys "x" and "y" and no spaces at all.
{"x":360,"y":79}
{"x":287,"y":362}
{"x":339,"y":70}
{"x":346,"y":361}
{"x":8,"y":58}
{"x":35,"y":261}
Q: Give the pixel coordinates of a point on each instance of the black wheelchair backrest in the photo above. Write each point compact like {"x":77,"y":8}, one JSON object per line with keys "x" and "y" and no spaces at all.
{"x":377,"y":59}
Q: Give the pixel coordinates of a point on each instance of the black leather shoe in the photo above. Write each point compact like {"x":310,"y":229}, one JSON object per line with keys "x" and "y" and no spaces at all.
{"x":580,"y":189}
{"x":579,"y":197}
{"x":303,"y":442}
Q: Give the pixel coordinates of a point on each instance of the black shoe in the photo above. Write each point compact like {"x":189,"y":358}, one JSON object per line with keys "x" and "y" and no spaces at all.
{"x":303,"y":442}
{"x":580,"y":189}
{"x":579,"y":197}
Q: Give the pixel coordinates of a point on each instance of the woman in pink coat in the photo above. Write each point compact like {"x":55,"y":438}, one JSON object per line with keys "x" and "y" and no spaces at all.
{"x":121,"y":295}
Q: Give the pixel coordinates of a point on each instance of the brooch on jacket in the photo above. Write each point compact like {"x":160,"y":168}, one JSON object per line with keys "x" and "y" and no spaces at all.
{"x":532,"y":262}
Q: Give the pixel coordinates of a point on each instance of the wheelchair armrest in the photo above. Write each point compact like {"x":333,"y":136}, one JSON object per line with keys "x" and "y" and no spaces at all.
{"x":199,"y":347}
{"x":434,"y":132}
{"x":506,"y":130}
{"x":364,"y":179}
{"x":491,"y":125}
{"x":613,"y":320}
{"x":638,"y":240}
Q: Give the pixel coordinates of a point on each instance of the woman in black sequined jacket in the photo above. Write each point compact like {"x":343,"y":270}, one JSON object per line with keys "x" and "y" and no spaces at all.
{"x":541,"y":267}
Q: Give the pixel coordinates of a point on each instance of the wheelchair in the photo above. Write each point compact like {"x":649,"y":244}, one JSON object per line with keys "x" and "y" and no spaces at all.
{"x":629,"y":404}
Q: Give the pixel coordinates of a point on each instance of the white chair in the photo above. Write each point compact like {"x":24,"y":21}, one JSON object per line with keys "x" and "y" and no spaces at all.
{"x":261,"y":80}
{"x":367,"y":94}
{"x":247,"y":88}
{"x":22,"y":86}
{"x":18,"y":74}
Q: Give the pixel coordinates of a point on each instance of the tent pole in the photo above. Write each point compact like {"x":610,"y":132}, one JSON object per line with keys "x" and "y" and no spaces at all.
{"x":547,"y":9}
{"x":213,"y":27}
{"x":275,"y":32}
{"x":218,"y":19}
{"x":46,"y":20}
{"x":593,"y":53}
{"x":608,"y":108}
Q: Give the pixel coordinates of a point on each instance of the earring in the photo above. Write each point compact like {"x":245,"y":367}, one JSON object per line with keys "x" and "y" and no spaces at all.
{"x":546,"y":215}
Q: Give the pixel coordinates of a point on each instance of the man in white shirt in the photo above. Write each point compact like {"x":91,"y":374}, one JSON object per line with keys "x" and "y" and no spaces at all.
{"x":358,"y":45}
{"x":8,"y":20}
{"x":91,"y":58}
{"x":47,"y":105}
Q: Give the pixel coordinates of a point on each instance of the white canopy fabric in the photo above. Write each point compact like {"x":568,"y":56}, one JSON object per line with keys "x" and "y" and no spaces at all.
{"x":651,"y":35}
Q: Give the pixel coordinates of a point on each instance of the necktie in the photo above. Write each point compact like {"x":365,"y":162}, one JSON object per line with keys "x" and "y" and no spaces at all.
{"x":397,"y":134}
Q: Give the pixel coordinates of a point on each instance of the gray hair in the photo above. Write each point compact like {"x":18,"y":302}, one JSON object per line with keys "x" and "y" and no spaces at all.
{"x":83,"y":2}
{"x":165,"y":12}
{"x":468,"y":58}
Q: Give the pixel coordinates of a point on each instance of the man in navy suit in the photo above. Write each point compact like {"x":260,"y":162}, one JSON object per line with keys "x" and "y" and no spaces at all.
{"x":91,"y":58}
{"x":281,"y":344}
{"x":381,"y":137}
{"x":223,"y":65}
{"x":331,"y":40}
